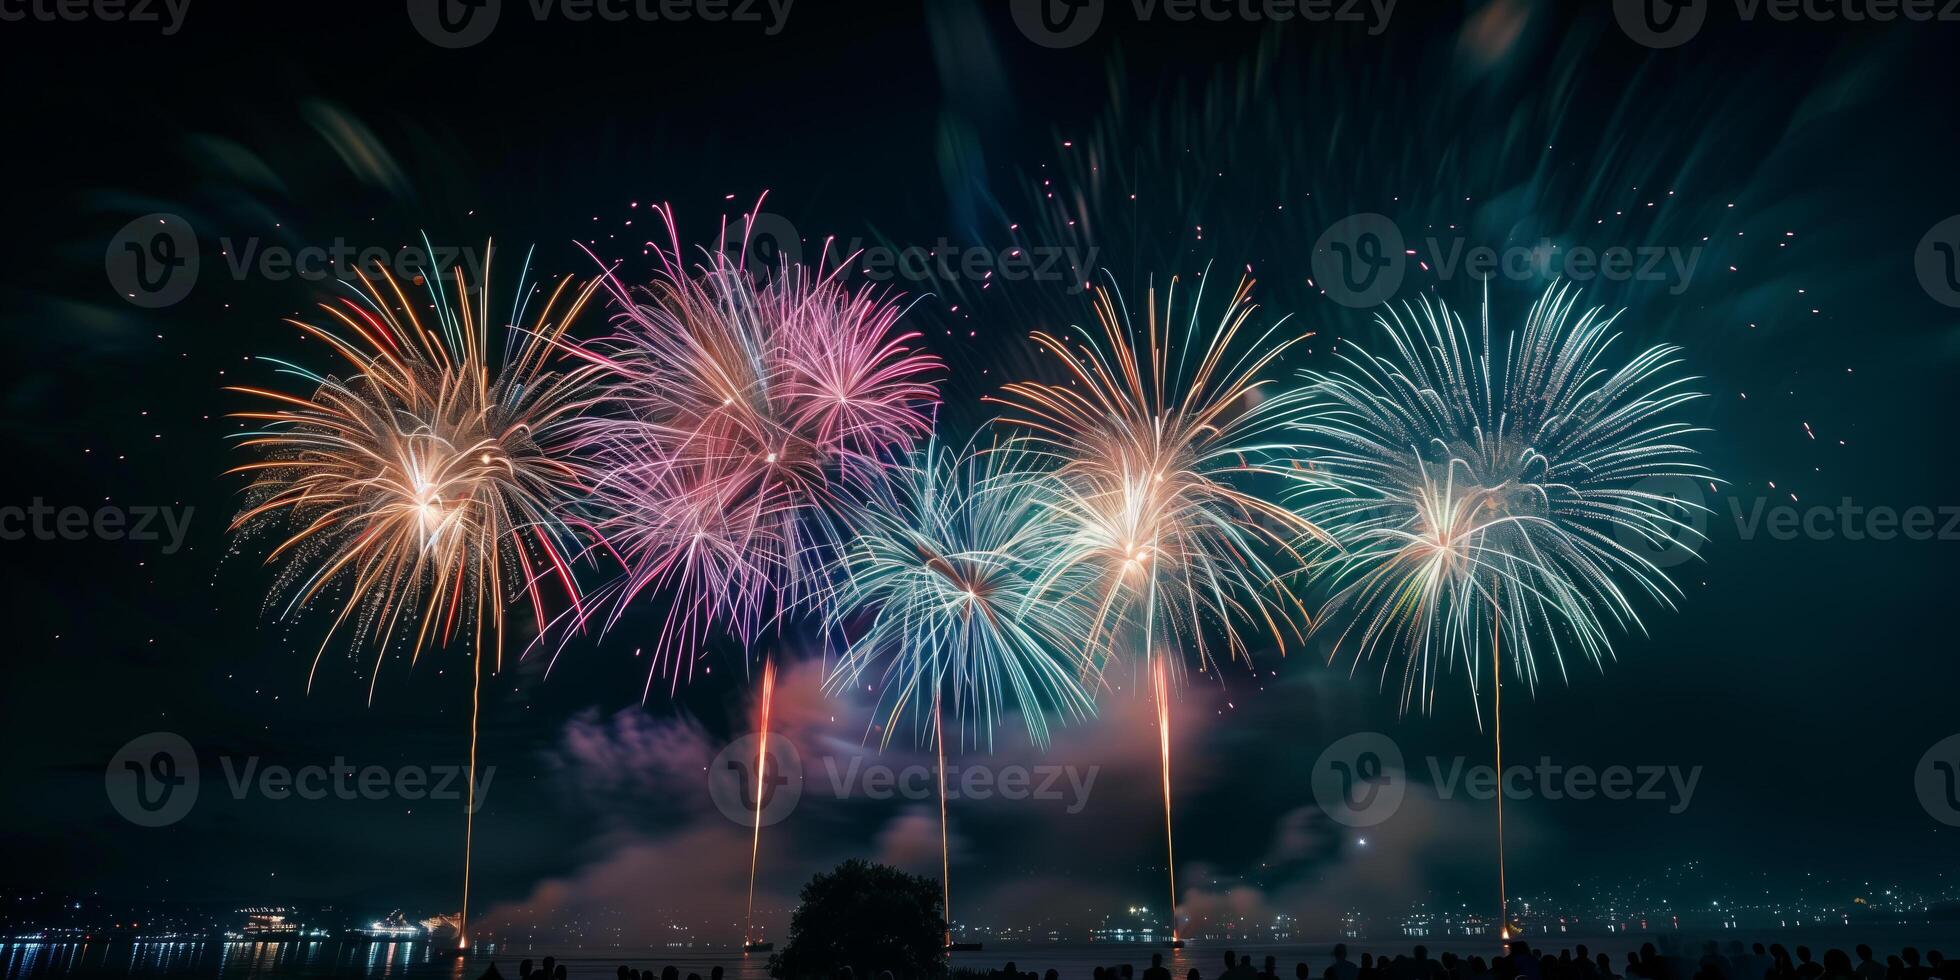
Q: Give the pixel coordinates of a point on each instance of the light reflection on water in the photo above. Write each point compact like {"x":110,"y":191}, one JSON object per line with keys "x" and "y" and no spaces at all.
{"x":303,"y":960}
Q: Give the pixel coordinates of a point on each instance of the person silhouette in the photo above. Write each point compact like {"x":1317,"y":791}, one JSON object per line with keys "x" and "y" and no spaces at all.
{"x":1157,"y":970}
{"x":1807,"y":968}
{"x":491,"y":974}
{"x":1867,"y":968}
{"x":1914,"y":971}
{"x":1342,"y":968}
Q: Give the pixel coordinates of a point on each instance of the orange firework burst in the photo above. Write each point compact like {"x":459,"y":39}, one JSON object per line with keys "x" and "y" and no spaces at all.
{"x":1162,"y":438}
{"x":1161,"y":456}
{"x":423,"y":487}
{"x":424,"y":483}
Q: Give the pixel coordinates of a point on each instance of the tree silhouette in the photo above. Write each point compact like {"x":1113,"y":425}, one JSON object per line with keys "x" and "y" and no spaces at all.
{"x":868,"y":917}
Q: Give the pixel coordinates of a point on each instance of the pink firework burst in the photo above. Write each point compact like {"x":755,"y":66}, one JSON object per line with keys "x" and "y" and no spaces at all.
{"x":735,"y":404}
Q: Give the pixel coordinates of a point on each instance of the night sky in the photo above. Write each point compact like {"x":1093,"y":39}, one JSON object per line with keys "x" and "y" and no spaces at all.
{"x":1807,"y":678}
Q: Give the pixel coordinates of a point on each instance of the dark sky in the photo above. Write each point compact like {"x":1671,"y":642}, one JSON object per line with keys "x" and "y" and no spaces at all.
{"x":1805,"y":677}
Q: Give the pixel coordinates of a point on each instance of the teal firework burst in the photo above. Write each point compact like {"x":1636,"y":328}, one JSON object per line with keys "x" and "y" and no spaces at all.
{"x":942,"y":583}
{"x":1506,"y":495}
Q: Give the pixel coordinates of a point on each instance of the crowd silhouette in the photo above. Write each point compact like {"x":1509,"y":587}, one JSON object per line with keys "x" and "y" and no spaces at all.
{"x":1520,"y":962}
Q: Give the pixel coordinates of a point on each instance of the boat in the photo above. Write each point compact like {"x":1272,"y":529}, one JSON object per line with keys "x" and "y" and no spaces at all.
{"x":758,"y":947}
{"x":962,"y":947}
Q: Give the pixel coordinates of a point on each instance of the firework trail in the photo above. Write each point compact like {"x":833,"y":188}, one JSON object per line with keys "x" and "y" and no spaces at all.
{"x":944,"y":580}
{"x":761,"y":764}
{"x":735,"y":406}
{"x":1169,"y":445}
{"x":1497,"y":492}
{"x":426,"y":482}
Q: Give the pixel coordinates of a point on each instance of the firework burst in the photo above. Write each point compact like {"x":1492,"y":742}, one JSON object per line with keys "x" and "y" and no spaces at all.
{"x":735,"y":406}
{"x":425,"y":484}
{"x":1498,"y":493}
{"x":949,"y":562}
{"x":1168,"y":445}
{"x":1503,"y":493}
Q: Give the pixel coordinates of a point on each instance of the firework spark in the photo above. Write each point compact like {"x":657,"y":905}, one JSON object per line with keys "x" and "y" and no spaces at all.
{"x":1508,"y":488}
{"x":737,"y":403}
{"x":425,"y":486}
{"x":949,"y":560}
{"x":1169,"y":445}
{"x":948,"y":563}
{"x":1498,"y":492}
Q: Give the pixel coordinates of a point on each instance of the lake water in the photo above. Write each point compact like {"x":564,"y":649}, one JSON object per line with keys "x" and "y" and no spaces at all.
{"x":1074,"y":961}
